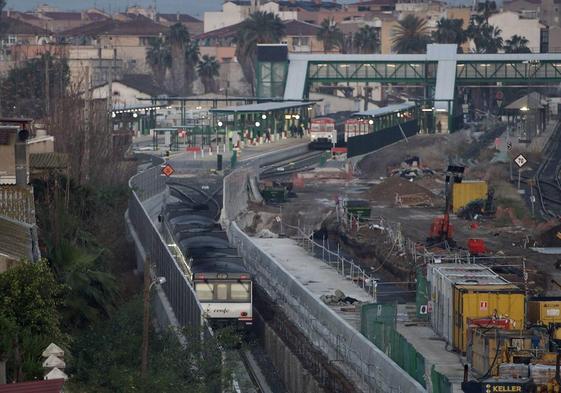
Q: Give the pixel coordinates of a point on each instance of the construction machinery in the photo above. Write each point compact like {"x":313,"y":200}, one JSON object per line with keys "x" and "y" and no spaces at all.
{"x":441,"y":230}
{"x":479,"y":208}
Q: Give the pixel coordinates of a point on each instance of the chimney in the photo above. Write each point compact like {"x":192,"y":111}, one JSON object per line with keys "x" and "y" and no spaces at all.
{"x":21,"y":156}
{"x":317,"y":2}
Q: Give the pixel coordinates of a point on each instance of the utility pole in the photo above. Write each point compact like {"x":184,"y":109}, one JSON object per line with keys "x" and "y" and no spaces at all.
{"x":146,"y":321}
{"x":47,"y":87}
{"x":87,"y":122}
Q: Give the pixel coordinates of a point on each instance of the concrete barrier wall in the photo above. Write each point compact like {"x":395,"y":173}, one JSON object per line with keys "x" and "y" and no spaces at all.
{"x":359,"y":359}
{"x":235,"y":194}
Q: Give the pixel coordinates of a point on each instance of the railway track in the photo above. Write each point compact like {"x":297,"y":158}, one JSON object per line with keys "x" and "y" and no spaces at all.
{"x":547,"y":178}
{"x":254,"y":372}
{"x":292,"y":165}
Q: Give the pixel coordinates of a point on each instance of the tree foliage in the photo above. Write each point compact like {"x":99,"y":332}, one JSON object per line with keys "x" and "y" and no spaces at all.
{"x":29,"y":317}
{"x":108,"y":358}
{"x":208,"y":69}
{"x":367,"y":40}
{"x":77,"y":226}
{"x":177,"y":53}
{"x":411,"y":35}
{"x":450,"y":31}
{"x":487,"y":38}
{"x":158,"y":58}
{"x":517,"y":44}
{"x":330,"y":34}
{"x":30,"y":89}
{"x":259,"y":28}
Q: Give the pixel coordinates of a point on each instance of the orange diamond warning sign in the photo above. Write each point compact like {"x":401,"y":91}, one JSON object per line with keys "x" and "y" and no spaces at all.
{"x":168,"y":170}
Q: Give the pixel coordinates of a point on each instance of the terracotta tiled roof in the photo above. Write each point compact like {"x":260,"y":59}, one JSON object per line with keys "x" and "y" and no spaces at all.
{"x":296,"y":27}
{"x":293,"y":28}
{"x":48,"y":160}
{"x":16,"y":26}
{"x":224,"y":32}
{"x":144,"y":27}
{"x":58,"y":15}
{"x":50,"y":386}
{"x":141,"y":82}
{"x":186,"y":18}
{"x":374,"y":2}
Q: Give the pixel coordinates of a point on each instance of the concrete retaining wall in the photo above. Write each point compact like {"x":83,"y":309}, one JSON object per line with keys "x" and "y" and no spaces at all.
{"x":235,"y":195}
{"x":289,"y":367}
{"x":357,"y":358}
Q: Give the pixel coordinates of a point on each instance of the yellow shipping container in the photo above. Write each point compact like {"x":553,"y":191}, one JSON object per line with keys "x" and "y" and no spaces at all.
{"x":544,"y":310}
{"x":466,"y":192}
{"x":483,"y":301}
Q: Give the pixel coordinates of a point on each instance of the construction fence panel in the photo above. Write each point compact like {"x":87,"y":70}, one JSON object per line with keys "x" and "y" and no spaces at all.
{"x":391,"y":342}
{"x":422,"y":296}
{"x":362,"y":144}
{"x":440,"y":383}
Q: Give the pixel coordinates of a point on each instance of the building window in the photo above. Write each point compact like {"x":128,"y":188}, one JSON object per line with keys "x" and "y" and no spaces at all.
{"x":301,"y":41}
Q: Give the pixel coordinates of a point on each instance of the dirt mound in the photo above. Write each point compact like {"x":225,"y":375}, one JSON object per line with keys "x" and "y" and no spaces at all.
{"x":386,"y":191}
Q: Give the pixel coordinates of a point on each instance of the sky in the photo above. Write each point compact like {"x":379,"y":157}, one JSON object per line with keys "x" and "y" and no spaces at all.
{"x":195,"y":8}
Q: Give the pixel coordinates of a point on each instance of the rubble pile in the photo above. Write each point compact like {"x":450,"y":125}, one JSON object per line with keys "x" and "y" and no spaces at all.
{"x":410,"y":169}
{"x":338,"y":299}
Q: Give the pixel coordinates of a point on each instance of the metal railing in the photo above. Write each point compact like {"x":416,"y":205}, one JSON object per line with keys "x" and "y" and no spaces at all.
{"x":344,"y":266}
{"x":359,"y":359}
{"x":178,"y":290}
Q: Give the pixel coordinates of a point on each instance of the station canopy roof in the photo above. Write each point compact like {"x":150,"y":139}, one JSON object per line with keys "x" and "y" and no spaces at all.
{"x":530,"y":101}
{"x":385,"y":110}
{"x":262,"y":107}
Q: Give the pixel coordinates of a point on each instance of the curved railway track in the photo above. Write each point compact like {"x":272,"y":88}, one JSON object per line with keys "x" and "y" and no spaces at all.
{"x":547,"y":178}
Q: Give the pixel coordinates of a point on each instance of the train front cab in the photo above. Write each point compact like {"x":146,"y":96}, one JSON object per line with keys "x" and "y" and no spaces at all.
{"x":225,"y":297}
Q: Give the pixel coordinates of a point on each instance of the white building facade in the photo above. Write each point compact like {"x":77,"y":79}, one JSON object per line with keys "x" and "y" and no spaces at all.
{"x":234,"y":12}
{"x":512,"y":23}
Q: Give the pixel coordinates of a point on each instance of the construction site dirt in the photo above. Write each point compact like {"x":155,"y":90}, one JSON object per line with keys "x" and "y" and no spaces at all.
{"x":412,"y":204}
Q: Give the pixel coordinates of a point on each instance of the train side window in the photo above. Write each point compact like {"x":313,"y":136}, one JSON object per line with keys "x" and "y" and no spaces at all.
{"x":204,"y":291}
{"x":221,"y":292}
{"x":240,"y":292}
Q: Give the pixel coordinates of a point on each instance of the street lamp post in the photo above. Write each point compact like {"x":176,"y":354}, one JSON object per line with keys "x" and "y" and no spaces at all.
{"x":148,"y":284}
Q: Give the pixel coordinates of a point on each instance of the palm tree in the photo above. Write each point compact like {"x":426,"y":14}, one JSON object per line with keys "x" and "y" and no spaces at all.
{"x":191,"y":60}
{"x":91,"y":292}
{"x":330,"y":34}
{"x":449,"y":31}
{"x":366,"y":40}
{"x":488,"y":39}
{"x":410,"y":35}
{"x":260,"y":28}
{"x":208,"y":70}
{"x":178,"y":39}
{"x":517,"y":44}
{"x":158,"y":58}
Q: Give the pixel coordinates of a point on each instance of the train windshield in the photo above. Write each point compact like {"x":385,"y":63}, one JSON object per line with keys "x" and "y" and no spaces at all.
{"x":220,"y":292}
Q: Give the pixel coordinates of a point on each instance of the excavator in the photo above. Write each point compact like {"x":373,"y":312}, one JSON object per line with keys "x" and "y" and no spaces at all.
{"x":441,"y":230}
